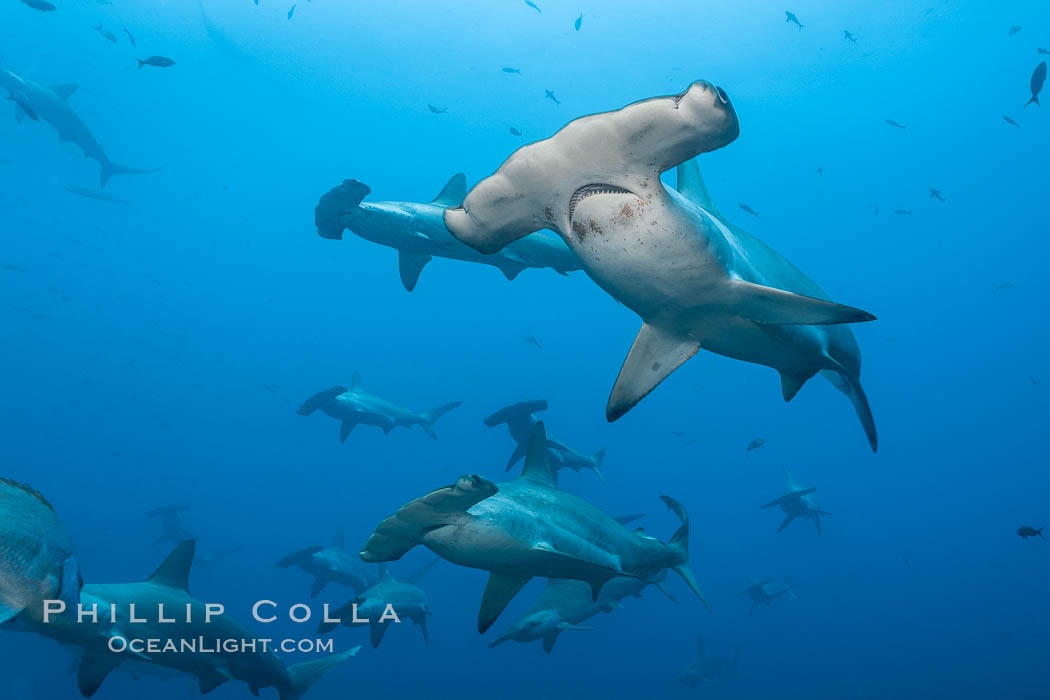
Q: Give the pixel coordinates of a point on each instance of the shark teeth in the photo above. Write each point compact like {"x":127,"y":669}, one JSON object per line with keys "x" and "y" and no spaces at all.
{"x":590,"y":190}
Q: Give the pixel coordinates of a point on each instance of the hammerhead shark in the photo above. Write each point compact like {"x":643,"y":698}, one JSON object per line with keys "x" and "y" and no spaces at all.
{"x":527,"y":527}
{"x":798,"y":502}
{"x":706,"y":667}
{"x":355,"y":406}
{"x":764,"y":591}
{"x":519,"y":421}
{"x":51,"y":104}
{"x":330,"y":564}
{"x":696,"y":281}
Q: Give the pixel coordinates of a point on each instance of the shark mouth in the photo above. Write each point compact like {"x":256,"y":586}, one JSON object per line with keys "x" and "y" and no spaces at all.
{"x":591,"y":190}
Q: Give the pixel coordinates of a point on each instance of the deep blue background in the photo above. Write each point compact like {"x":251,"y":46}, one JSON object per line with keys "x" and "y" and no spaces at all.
{"x":135,"y":341}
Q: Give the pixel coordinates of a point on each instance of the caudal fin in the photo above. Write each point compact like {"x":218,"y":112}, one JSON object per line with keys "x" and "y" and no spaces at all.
{"x":850,"y":386}
{"x":428,"y":419}
{"x":302,"y":677}
{"x":109,"y":169}
{"x":1035,"y":99}
{"x":679,"y":544}
{"x":599,"y":457}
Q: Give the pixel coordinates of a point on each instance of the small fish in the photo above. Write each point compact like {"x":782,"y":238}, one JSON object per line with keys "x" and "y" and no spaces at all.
{"x":754,"y":445}
{"x":748,"y":209}
{"x":1014,"y":29}
{"x":820,"y":171}
{"x":156,"y":62}
{"x":1025,"y":532}
{"x":514,"y":71}
{"x":515,"y":132}
{"x":579,"y":22}
{"x":107,"y":35}
{"x":792,"y":18}
{"x":936,"y":194}
{"x":24,"y":104}
{"x":90,"y":193}
{"x":1043,"y":52}
{"x":550,"y":96}
{"x":291,"y":12}
{"x":849,"y":36}
{"x":533,"y":340}
{"x":1038,"y":78}
{"x":1004,"y":285}
{"x":896,"y":124}
{"x":437,"y":110}
{"x":1008,"y":120}
{"x":534,"y":6}
{"x":131,"y":38}
{"x":41,"y":5}
{"x":902,"y":212}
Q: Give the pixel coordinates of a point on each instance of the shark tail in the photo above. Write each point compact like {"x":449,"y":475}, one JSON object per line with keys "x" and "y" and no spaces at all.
{"x":109,"y":169}
{"x":850,"y":386}
{"x":679,"y":545}
{"x":599,"y":457}
{"x":302,"y":677}
{"x":428,"y":419}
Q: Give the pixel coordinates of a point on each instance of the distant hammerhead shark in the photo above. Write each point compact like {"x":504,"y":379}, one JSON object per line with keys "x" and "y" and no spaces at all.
{"x":706,"y":667}
{"x":797,"y":502}
{"x":696,"y":280}
{"x":764,"y":591}
{"x":519,"y":420}
{"x":354,"y":405}
{"x":331,"y":564}
{"x":51,"y":104}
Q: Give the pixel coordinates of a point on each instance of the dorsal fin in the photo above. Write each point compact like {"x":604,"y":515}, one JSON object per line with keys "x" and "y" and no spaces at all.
{"x":338,"y":542}
{"x":64,"y":91}
{"x":384,"y":574}
{"x":174,"y":572}
{"x":355,"y":383}
{"x":537,"y":468}
{"x":691,"y":185}
{"x":452,"y":194}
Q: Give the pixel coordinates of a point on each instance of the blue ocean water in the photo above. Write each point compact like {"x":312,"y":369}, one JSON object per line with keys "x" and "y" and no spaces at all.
{"x":156,"y":354}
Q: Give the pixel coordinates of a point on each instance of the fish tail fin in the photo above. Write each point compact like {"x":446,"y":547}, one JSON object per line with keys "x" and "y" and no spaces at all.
{"x":679,"y":545}
{"x":1040,"y":532}
{"x":302,"y":677}
{"x":1035,"y":99}
{"x":109,"y":169}
{"x":428,"y":419}
{"x":141,"y":62}
{"x":850,"y":386}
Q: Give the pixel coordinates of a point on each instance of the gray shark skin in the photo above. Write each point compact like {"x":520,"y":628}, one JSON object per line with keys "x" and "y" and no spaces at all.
{"x":51,"y":104}
{"x":798,"y":502}
{"x":37,"y":560}
{"x":519,"y":421}
{"x":764,"y":591}
{"x":527,"y":527}
{"x":330,"y":564}
{"x":417,"y":231}
{"x":406,"y":598}
{"x":566,"y":603}
{"x":355,"y":406}
{"x":706,"y":668}
{"x":696,"y":281}
{"x":168,"y":586}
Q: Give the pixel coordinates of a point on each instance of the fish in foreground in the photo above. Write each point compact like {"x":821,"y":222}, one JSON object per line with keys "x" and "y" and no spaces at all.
{"x":902,"y":212}
{"x":291,"y":11}
{"x":330,"y":564}
{"x":91,"y":193}
{"x":156,"y":62}
{"x":849,"y":36}
{"x":355,"y":406}
{"x":565,"y":603}
{"x":696,"y":280}
{"x":41,"y":5}
{"x":706,"y":667}
{"x":895,"y":124}
{"x":1014,"y":29}
{"x":515,"y":132}
{"x":405,"y":597}
{"x":579,"y":22}
{"x":527,"y":527}
{"x":169,"y":586}
{"x":51,"y":104}
{"x":417,"y":231}
{"x":764,"y":591}
{"x":37,"y":561}
{"x":1026,"y":531}
{"x":520,"y":423}
{"x":791,"y":18}
{"x":797,"y":502}
{"x":131,"y":37}
{"x":1038,"y":78}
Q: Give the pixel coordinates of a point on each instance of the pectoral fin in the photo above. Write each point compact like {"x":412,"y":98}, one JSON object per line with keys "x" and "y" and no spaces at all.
{"x":500,"y":590}
{"x":377,"y":632}
{"x":654,"y":355}
{"x":344,"y":430}
{"x":410,"y":265}
{"x":775,"y":306}
{"x":211,"y":680}
{"x":94,"y":667}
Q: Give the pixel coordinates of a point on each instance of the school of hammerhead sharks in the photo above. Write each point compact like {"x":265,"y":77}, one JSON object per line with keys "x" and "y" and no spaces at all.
{"x":696,"y":280}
